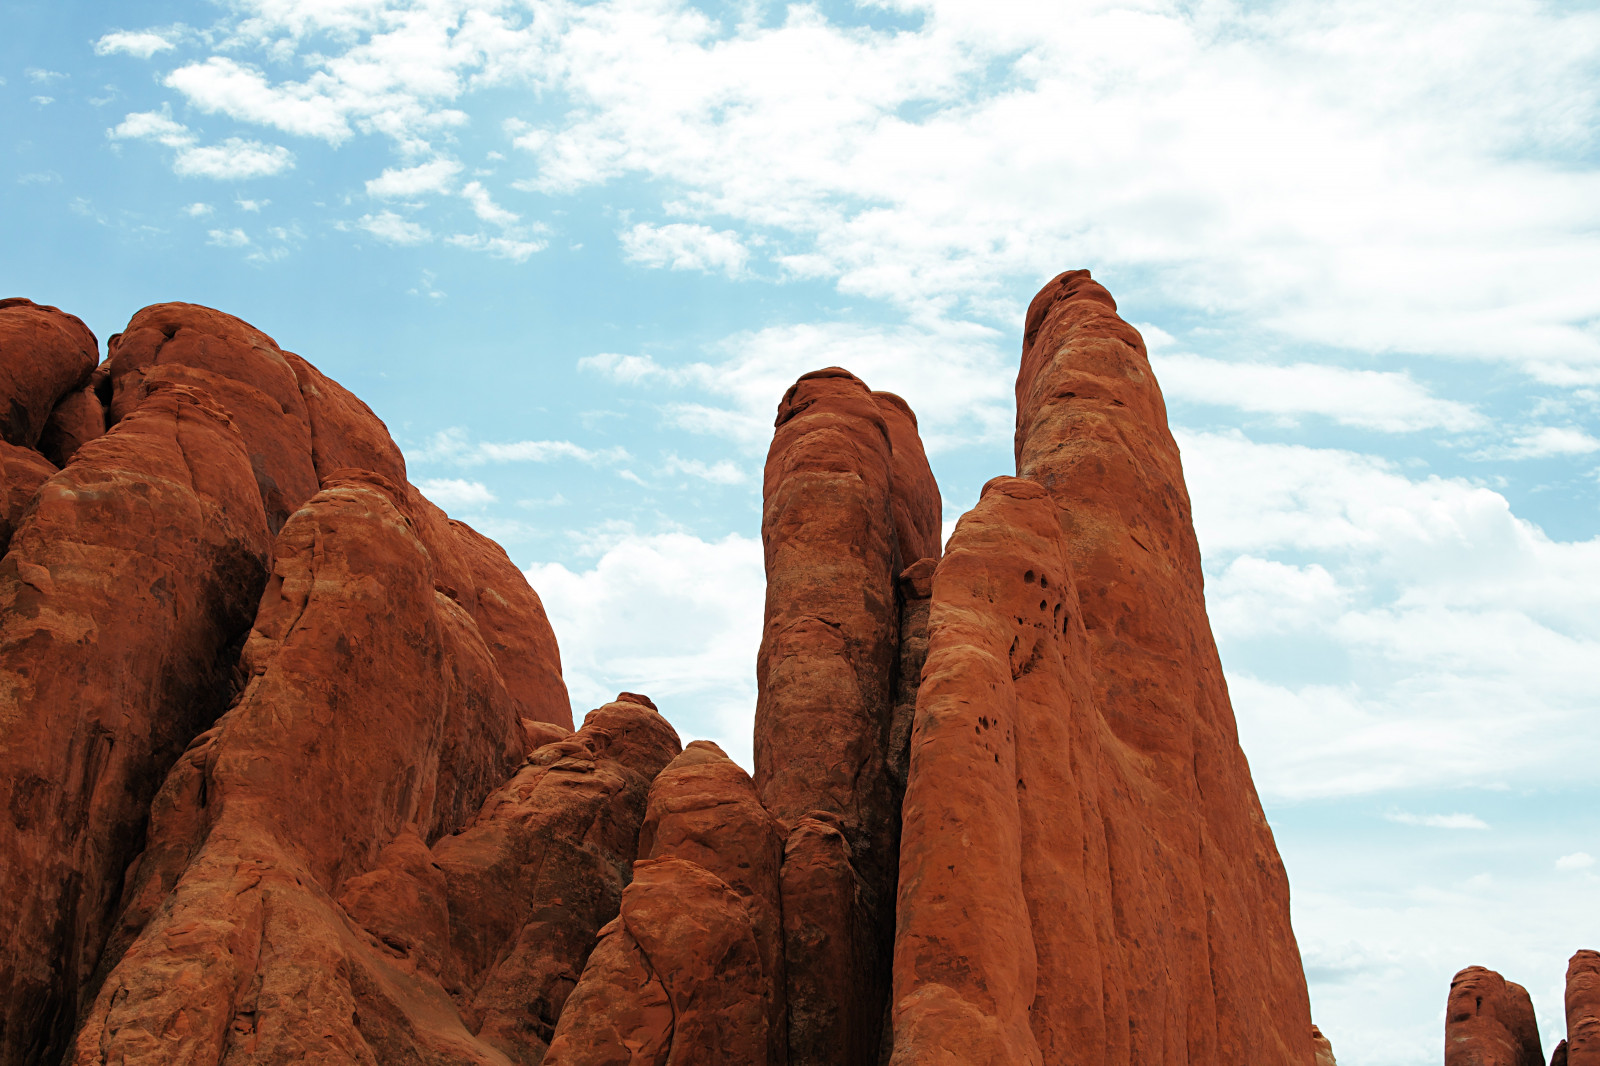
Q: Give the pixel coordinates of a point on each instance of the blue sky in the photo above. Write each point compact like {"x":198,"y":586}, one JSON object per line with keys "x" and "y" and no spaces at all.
{"x":573,"y":253}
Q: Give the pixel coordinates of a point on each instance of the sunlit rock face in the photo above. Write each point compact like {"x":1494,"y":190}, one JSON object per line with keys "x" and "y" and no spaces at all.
{"x":1489,"y":1021}
{"x":291,"y":775}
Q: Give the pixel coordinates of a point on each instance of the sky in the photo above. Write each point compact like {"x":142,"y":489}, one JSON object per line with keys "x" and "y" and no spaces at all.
{"x":573,"y":253}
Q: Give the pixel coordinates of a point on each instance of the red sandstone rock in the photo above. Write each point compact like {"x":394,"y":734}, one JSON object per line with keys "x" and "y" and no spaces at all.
{"x":1489,"y":1021}
{"x":76,"y":420}
{"x":825,"y":677}
{"x":247,"y":374}
{"x":314,"y":783}
{"x":1324,"y":1048}
{"x":703,"y":809}
{"x":918,"y":511}
{"x":1583,"y":1009}
{"x":44,"y":354}
{"x":1558,"y":1057}
{"x":1203,"y":966}
{"x":514,"y":625}
{"x":676,"y":979}
{"x":995,"y":685}
{"x":22,"y":471}
{"x":541,"y":870}
{"x":122,"y":599}
{"x":706,"y":843}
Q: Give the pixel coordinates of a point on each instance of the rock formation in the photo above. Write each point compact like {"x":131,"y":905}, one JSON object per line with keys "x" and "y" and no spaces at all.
{"x":291,"y":774}
{"x":1324,"y":1048}
{"x":826,"y":680}
{"x":1583,"y":1009}
{"x":1489,"y":1021}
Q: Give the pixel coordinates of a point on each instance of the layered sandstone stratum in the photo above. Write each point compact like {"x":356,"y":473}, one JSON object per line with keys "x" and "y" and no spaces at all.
{"x":288,"y":770}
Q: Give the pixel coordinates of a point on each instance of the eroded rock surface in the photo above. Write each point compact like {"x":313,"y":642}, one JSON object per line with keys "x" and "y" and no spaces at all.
{"x":1489,"y":1021}
{"x":241,"y":542}
{"x":45,"y":354}
{"x":292,"y":774}
{"x":1583,"y":1009}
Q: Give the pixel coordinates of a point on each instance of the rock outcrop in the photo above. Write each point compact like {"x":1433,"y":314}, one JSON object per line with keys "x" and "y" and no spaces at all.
{"x":291,"y":776}
{"x":1489,"y":1021}
{"x":825,"y":683}
{"x":1324,"y":1048}
{"x":691,"y":970}
{"x":244,"y":666}
{"x":1583,"y":1009}
{"x":45,"y":354}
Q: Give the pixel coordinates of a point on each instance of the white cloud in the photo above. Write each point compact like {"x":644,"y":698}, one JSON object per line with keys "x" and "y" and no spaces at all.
{"x":485,"y":208}
{"x":199,"y":210}
{"x":670,"y":615}
{"x":234,"y":159}
{"x":158,"y":126}
{"x":1546,"y":442}
{"x":228,"y":238}
{"x":453,"y":446}
{"x":393,"y":229}
{"x":683,"y":246}
{"x":42,"y":101}
{"x":1454,"y":637}
{"x":142,"y":43}
{"x":40,"y":76}
{"x":953,"y":377}
{"x":1389,"y":401}
{"x":223,"y":85}
{"x":1578,"y":860}
{"x":721,"y":472}
{"x":515,"y":249}
{"x":253,"y":206}
{"x":1394,"y":179}
{"x":434,"y":176}
{"x":450,"y":493}
{"x":1438,"y":821}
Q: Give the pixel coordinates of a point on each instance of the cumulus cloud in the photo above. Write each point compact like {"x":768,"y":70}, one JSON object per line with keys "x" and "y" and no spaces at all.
{"x":670,"y":615}
{"x":485,"y":208}
{"x":451,"y":493}
{"x":234,"y":159}
{"x":1578,"y":860}
{"x":394,"y":229}
{"x":404,"y":183}
{"x":140,"y":43}
{"x":683,"y":246}
{"x":953,"y":376}
{"x":1457,"y":637}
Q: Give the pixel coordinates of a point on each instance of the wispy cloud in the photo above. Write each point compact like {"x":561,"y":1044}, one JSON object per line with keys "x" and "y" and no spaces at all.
{"x":455,"y":447}
{"x":1438,"y":821}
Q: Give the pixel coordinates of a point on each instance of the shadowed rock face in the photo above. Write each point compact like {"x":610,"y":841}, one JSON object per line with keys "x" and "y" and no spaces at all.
{"x":1489,"y":1021}
{"x":128,"y":587}
{"x":45,"y":354}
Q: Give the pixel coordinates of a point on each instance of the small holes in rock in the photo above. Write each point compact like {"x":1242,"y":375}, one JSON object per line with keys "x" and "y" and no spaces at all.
{"x":1028,"y":577}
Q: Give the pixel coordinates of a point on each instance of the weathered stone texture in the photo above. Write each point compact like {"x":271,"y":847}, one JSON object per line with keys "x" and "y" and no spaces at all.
{"x":1489,"y":1021}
